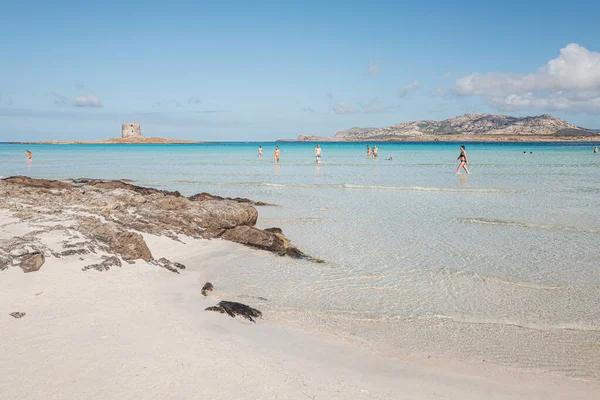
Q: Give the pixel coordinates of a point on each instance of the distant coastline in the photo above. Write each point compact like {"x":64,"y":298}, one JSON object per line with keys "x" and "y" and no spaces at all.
{"x":135,"y":140}
{"x":452,"y":138}
{"x":466,"y":128}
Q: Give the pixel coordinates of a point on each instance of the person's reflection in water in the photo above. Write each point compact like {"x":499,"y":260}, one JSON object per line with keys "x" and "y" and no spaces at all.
{"x":463,"y":179}
{"x":277,"y":168}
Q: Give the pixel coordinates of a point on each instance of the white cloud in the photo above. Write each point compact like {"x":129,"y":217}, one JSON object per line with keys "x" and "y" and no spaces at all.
{"x":89,"y":100}
{"x":409,"y":88}
{"x":373,"y":70}
{"x":570,"y":82}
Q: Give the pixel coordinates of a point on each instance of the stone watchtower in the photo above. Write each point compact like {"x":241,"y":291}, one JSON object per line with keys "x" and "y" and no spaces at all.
{"x":131,"y":130}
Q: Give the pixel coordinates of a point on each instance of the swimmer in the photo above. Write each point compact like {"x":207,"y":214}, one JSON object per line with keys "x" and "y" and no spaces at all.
{"x":318,"y":153}
{"x":28,"y":153}
{"x":375,"y":151}
{"x":525,"y":152}
{"x":596,"y":149}
{"x":276,"y":154}
{"x":389,"y":159}
{"x":463,"y":160}
{"x":368,"y":151}
{"x":531,"y":152}
{"x":259,"y":151}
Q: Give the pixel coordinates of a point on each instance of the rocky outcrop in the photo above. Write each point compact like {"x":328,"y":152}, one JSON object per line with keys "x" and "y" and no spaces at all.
{"x":111,"y":216}
{"x":469,"y":124}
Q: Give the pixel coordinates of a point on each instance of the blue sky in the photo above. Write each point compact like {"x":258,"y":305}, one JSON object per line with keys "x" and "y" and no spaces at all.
{"x":266,"y":70}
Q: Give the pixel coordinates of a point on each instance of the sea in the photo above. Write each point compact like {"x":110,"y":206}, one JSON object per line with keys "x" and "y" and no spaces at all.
{"x":499,"y":266}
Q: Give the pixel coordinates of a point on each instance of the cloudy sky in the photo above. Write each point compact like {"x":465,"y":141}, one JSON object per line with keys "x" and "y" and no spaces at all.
{"x":266,"y":70}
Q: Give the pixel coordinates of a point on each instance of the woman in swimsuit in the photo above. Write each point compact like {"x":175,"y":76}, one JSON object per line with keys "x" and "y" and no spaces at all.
{"x":463,"y":160}
{"x":276,"y":155}
{"x":368,"y":151}
{"x":260,"y":151}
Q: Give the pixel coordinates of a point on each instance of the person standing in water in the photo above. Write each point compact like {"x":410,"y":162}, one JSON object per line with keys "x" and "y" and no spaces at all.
{"x":318,"y":153}
{"x":596,"y":149}
{"x":28,"y":153}
{"x":368,"y":151}
{"x":375,"y":151}
{"x":463,"y":160}
{"x":276,"y":154}
{"x":259,"y":151}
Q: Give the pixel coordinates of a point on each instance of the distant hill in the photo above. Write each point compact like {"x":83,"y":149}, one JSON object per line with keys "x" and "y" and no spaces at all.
{"x":472,"y":124}
{"x":485,"y":127}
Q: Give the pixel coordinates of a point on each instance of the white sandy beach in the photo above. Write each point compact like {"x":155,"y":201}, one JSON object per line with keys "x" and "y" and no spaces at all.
{"x":141,"y":332}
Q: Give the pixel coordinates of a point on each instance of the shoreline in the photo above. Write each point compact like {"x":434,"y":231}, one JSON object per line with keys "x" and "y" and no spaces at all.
{"x":156,"y":321}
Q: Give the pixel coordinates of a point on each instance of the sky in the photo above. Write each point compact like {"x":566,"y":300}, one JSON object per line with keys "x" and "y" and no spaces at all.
{"x":265,"y":70}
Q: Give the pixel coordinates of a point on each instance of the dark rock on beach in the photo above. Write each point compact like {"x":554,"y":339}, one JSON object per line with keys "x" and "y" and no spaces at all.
{"x":232,"y":309}
{"x":208,"y":287}
{"x":17,"y":314}
{"x":105,"y":265}
{"x":169,"y":265}
{"x":31,"y":262}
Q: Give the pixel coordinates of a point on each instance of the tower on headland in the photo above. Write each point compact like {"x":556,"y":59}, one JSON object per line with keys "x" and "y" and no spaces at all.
{"x":131,"y":130}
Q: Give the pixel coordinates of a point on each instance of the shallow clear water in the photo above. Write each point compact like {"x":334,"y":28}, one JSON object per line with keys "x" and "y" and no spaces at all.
{"x":502,"y":264}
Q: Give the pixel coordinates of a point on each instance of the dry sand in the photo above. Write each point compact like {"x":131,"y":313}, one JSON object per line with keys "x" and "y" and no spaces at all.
{"x":141,"y":332}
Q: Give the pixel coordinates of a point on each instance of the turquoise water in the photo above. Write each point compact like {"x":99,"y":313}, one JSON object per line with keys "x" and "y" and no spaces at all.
{"x":502,"y":264}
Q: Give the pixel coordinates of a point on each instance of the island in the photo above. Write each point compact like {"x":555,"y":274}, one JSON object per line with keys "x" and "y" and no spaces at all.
{"x":467,"y":128}
{"x":131,"y":133}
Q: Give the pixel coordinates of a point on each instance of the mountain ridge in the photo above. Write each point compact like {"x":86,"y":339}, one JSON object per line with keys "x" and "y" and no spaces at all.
{"x":466,"y":126}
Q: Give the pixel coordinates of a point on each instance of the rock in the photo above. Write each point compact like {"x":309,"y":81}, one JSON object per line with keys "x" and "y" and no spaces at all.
{"x":207,"y":196}
{"x":232,"y":309}
{"x":73,"y":252}
{"x":208,"y":287}
{"x":31,"y":262}
{"x":254,"y":237}
{"x":17,"y":314}
{"x":274,"y":230}
{"x":37,"y":183}
{"x":121,"y":184}
{"x":167,"y":264}
{"x":271,"y":239}
{"x":105,"y":265}
{"x":129,"y":245}
{"x":4,"y":263}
